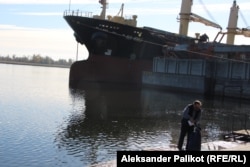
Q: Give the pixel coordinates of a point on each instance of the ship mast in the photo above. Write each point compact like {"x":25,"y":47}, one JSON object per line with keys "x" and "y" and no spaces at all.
{"x":184,"y":16}
{"x":104,"y":7}
{"x":232,"y":23}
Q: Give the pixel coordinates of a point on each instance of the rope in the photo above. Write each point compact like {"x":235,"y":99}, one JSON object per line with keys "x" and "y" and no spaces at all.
{"x":243,"y":18}
{"x":207,"y":11}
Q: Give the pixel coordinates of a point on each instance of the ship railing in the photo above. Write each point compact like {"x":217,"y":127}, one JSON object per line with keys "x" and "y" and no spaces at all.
{"x":77,"y":13}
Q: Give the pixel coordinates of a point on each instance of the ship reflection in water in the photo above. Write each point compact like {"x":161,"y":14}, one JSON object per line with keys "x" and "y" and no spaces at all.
{"x":106,"y":120}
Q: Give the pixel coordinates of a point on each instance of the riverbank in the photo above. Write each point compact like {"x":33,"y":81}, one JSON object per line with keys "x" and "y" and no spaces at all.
{"x":34,"y":64}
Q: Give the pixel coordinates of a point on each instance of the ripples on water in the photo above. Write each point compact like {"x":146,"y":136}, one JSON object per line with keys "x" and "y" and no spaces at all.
{"x":44,"y":123}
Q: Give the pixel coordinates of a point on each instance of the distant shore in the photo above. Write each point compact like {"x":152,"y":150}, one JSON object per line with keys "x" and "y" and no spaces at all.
{"x":34,"y":64}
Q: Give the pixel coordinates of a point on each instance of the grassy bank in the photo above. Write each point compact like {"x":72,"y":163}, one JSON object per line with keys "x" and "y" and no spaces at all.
{"x":34,"y":64}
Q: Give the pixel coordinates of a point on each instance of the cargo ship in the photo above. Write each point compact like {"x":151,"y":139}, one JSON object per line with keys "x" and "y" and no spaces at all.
{"x":119,"y":51}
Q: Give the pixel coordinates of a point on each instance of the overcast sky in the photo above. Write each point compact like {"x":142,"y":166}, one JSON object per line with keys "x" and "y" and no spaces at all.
{"x":30,"y":27}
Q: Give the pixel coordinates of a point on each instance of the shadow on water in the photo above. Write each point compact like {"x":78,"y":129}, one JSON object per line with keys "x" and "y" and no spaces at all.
{"x":108,"y":119}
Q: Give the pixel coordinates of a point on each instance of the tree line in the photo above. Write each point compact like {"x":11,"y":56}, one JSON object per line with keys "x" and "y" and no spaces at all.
{"x":37,"y":59}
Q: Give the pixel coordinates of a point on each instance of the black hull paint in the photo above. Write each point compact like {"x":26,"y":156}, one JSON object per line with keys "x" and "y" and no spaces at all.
{"x":121,"y":40}
{"x":117,"y":53}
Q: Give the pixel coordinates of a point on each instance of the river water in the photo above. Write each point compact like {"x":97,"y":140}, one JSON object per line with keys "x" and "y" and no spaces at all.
{"x":44,"y":123}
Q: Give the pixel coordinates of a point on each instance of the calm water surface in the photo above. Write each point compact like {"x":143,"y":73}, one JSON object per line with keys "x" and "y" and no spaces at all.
{"x":44,"y":123}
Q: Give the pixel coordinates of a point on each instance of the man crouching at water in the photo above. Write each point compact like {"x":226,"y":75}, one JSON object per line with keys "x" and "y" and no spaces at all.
{"x":190,"y":118}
